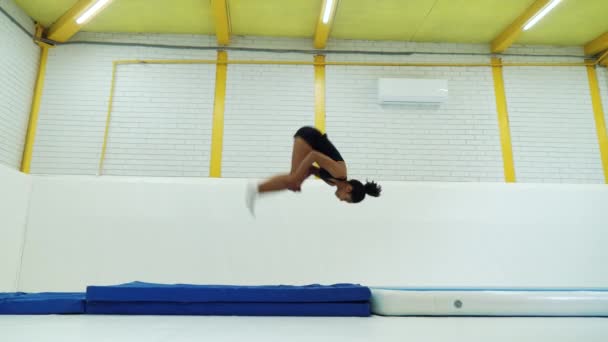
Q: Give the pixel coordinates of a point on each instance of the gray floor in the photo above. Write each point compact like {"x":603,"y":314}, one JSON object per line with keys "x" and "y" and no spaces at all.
{"x":200,"y":328}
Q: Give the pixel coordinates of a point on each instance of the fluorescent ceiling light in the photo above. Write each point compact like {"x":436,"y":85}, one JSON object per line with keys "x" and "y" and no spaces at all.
{"x":541,"y":14}
{"x":92,"y":10}
{"x":327,"y":11}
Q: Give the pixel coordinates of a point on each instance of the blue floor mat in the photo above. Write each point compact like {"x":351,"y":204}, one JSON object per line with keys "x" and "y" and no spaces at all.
{"x":139,"y":298}
{"x":20,"y":303}
{"x":144,"y":292}
{"x":360,"y":309}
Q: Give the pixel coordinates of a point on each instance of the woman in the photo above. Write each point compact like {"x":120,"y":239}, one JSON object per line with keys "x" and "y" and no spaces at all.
{"x":311,"y":146}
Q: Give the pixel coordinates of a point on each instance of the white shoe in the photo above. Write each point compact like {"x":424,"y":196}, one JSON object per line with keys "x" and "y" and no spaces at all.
{"x":250,"y":197}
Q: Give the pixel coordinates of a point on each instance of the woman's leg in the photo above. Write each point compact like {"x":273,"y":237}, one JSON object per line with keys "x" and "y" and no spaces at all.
{"x":300,"y":150}
{"x":276,"y":183}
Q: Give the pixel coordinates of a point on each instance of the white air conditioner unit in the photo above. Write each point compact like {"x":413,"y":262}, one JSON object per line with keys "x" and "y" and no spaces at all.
{"x":412,"y":90}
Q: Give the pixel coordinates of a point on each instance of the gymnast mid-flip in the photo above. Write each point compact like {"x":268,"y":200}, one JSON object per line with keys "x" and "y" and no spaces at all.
{"x":310,"y":146}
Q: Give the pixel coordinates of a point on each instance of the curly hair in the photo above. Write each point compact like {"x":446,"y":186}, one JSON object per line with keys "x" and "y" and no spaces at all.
{"x":359,"y":190}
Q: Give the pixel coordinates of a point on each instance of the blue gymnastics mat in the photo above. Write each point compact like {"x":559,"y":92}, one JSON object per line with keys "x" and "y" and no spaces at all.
{"x":140,"y":298}
{"x":359,"y":309}
{"x":150,"y":292}
{"x":20,"y":303}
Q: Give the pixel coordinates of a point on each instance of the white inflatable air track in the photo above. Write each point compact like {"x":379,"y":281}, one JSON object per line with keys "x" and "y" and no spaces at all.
{"x":490,"y":302}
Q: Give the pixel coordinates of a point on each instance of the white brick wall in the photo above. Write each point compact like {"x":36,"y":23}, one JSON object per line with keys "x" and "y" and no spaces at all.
{"x":552,"y":127}
{"x":400,"y":46}
{"x":18,"y":67}
{"x":18,"y":14}
{"x":454,"y":141}
{"x":75,"y":103}
{"x":271,"y":43}
{"x":602,"y":76}
{"x":547,"y":50}
{"x":146,"y":38}
{"x":161,"y":120}
{"x":265,"y":105}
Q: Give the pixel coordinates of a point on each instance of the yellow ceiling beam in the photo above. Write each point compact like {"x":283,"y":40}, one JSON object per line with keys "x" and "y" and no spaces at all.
{"x":597,"y":45}
{"x":222,"y":21}
{"x":66,"y":26}
{"x":510,"y":34}
{"x":324,"y":26}
{"x":603,"y":58}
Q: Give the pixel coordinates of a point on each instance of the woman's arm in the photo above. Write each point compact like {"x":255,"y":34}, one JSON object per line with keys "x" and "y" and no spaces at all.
{"x":317,"y":172}
{"x":336,"y":169}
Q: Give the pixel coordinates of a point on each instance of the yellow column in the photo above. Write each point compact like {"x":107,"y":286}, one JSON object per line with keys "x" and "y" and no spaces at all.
{"x":28,"y":149}
{"x":102,"y":157}
{"x":598,"y":112}
{"x":320,"y":92}
{"x":503,"y":120}
{"x":217,"y":135}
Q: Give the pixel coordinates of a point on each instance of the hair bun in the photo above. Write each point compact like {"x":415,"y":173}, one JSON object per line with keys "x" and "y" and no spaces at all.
{"x":372,"y":189}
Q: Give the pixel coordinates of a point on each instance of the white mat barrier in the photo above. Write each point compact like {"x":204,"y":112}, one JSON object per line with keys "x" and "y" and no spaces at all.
{"x":110,"y":230}
{"x":14,"y":197}
{"x":490,"y":302}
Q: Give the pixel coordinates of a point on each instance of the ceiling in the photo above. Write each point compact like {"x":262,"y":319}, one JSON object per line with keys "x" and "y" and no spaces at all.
{"x":572,"y":22}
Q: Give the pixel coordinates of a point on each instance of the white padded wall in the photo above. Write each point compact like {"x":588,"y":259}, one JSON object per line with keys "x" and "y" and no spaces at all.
{"x":161,"y":120}
{"x":14,"y":199}
{"x":552,"y":126}
{"x":265,"y":105}
{"x":103,"y":230}
{"x":18,"y":67}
